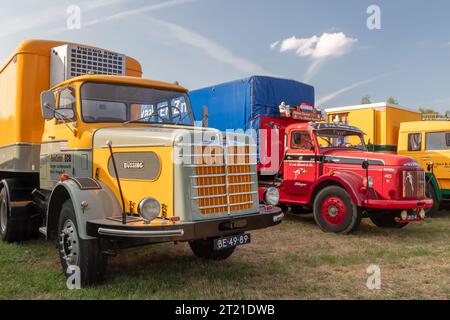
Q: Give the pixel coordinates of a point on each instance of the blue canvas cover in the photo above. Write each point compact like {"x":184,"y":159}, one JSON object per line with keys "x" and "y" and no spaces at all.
{"x":234,"y":105}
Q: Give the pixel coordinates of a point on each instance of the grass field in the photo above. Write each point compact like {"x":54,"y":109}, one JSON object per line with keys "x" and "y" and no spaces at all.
{"x":292,"y":261}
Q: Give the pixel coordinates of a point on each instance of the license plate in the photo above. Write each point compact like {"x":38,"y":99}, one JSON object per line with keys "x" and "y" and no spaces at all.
{"x":232,"y":241}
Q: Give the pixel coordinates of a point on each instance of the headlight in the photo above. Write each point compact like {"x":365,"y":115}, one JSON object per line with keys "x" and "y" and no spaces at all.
{"x":272,"y":196}
{"x":149,"y":209}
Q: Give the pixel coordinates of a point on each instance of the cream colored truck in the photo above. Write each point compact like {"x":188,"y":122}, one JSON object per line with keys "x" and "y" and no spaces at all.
{"x":98,"y":159}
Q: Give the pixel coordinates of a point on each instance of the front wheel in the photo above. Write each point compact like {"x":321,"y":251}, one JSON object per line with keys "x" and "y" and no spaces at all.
{"x":204,"y":249}
{"x":335,"y":212}
{"x":387,"y":220}
{"x":77,"y":252}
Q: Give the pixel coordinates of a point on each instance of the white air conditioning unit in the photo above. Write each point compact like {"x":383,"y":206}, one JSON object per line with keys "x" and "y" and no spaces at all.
{"x":70,"y":61}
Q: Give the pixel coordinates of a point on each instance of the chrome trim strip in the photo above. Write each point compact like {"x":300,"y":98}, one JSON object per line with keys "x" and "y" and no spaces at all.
{"x":140,"y":234}
{"x":209,"y":197}
{"x":19,"y":144}
{"x":209,"y":186}
{"x":226,"y":205}
{"x":219,"y":165}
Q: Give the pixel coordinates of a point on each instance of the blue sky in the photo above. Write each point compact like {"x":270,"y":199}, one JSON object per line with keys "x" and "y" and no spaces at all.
{"x":204,"y":42}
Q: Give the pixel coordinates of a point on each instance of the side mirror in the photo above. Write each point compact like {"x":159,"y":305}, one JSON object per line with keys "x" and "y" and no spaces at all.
{"x":205,"y":117}
{"x":64,"y":114}
{"x":48,"y":105}
{"x":365,"y":164}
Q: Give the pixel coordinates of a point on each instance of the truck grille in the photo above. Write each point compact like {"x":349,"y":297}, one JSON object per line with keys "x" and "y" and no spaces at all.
{"x":413,"y":184}
{"x":229,"y":184}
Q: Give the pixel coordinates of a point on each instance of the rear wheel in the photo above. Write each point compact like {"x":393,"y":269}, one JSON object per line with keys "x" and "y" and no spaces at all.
{"x":335,"y":212}
{"x":204,"y":249}
{"x":387,"y":219}
{"x":77,"y":252}
{"x":10,"y":230}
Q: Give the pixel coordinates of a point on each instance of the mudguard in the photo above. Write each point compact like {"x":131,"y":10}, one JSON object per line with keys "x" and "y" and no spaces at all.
{"x":431,"y":178}
{"x":89,"y":204}
{"x":351,"y":182}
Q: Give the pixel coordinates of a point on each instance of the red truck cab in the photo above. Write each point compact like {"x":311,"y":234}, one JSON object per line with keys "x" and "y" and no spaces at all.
{"x":326,"y":167}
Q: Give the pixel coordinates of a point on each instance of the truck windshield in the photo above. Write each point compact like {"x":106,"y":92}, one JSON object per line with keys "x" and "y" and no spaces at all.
{"x":340,"y":139}
{"x":116,"y":103}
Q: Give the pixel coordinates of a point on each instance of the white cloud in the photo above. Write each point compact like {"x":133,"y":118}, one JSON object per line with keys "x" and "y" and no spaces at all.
{"x":327,"y":45}
{"x":318,"y":48}
{"x":210,"y":47}
{"x":324,"y":99}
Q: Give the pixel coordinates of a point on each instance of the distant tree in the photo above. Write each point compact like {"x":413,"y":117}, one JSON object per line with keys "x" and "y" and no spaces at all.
{"x":428,"y":111}
{"x":392,"y":100}
{"x":366,"y":99}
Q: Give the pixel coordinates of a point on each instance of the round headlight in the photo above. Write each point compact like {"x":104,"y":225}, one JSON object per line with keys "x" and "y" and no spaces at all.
{"x":149,"y":209}
{"x":272,"y":196}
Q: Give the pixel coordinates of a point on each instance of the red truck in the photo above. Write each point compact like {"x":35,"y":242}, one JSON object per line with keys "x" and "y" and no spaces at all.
{"x":324,"y":168}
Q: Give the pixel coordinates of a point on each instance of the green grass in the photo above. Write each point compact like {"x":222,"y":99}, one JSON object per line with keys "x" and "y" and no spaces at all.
{"x":292,"y":261}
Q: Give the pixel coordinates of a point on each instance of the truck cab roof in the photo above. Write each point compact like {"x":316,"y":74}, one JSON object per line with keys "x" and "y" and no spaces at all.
{"x":123,"y":80}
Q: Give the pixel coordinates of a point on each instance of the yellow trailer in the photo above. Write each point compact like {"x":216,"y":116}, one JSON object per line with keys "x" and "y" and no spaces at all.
{"x":379,"y":121}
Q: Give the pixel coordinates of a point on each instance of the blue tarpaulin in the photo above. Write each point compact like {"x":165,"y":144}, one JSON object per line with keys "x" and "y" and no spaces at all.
{"x":234,"y":105}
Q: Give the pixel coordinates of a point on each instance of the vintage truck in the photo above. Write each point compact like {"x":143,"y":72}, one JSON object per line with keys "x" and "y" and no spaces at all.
{"x":400,"y":130}
{"x":321,"y":167}
{"x":98,"y":159}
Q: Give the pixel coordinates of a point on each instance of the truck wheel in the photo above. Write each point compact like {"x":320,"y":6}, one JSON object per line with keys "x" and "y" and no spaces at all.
{"x":431,"y":193}
{"x":295,"y":209}
{"x":334,"y":211}
{"x":74,"y":251}
{"x":10,"y":230}
{"x":204,"y":249}
{"x":387,"y":220}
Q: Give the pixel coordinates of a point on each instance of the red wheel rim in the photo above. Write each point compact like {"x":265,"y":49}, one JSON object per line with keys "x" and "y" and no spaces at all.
{"x":334,"y":210}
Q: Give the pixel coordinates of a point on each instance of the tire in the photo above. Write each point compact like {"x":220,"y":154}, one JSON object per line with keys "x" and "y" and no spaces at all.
{"x":10,"y":230}
{"x":300,"y":210}
{"x":431,"y":193}
{"x":204,"y":249}
{"x":387,"y":220}
{"x":335,"y":212}
{"x":74,"y":251}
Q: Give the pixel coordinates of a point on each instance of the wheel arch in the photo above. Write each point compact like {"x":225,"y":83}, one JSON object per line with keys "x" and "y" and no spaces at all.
{"x":101,"y":204}
{"x":431,"y":178}
{"x":348,"y":182}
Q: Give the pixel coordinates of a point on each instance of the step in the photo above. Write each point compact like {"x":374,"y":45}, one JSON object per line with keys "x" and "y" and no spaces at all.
{"x":43,"y":230}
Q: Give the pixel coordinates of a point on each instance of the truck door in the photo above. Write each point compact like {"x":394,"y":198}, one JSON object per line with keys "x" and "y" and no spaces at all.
{"x":300,"y":166}
{"x":58,"y":141}
{"x":437,"y":150}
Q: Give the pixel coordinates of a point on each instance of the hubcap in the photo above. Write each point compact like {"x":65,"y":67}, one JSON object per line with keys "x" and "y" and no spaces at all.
{"x":334,"y":210}
{"x":3,"y":215}
{"x":69,"y":244}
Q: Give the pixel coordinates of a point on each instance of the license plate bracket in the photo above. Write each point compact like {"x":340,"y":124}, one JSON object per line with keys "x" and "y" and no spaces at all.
{"x":233,"y":241}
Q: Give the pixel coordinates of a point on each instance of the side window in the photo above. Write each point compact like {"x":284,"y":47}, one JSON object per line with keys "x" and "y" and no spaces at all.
{"x":414,"y":142}
{"x":67,"y":100}
{"x":301,"y":141}
{"x":438,"y":141}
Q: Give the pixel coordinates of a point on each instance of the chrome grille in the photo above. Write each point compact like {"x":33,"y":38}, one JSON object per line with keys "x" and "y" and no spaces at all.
{"x":413,"y":184}
{"x":226,"y":185}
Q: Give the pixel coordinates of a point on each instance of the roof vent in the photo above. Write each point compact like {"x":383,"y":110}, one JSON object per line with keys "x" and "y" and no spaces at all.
{"x":70,"y":61}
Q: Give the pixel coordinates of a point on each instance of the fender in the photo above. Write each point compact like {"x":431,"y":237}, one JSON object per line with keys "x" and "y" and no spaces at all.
{"x":101,"y":204}
{"x":350,"y":181}
{"x":432,"y":178}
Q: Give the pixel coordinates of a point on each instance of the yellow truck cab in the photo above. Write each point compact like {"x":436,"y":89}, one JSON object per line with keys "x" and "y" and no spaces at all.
{"x":98,"y":159}
{"x":429,"y":143}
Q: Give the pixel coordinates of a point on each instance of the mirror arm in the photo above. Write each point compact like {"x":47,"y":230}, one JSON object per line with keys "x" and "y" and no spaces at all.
{"x":65,"y":118}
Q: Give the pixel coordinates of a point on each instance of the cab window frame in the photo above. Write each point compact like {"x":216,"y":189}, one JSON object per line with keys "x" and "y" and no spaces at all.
{"x":296,"y":148}
{"x":58,"y":93}
{"x":420,"y":142}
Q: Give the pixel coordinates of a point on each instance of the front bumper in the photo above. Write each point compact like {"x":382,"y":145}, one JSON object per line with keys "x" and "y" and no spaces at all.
{"x":185,"y":231}
{"x":398,"y":204}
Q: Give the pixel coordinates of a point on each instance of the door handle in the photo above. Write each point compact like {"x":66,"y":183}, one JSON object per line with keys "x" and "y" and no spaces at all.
{"x":52,"y":137}
{"x":426,"y":158}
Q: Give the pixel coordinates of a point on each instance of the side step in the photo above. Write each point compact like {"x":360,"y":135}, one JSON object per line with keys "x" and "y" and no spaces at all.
{"x":43,"y":230}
